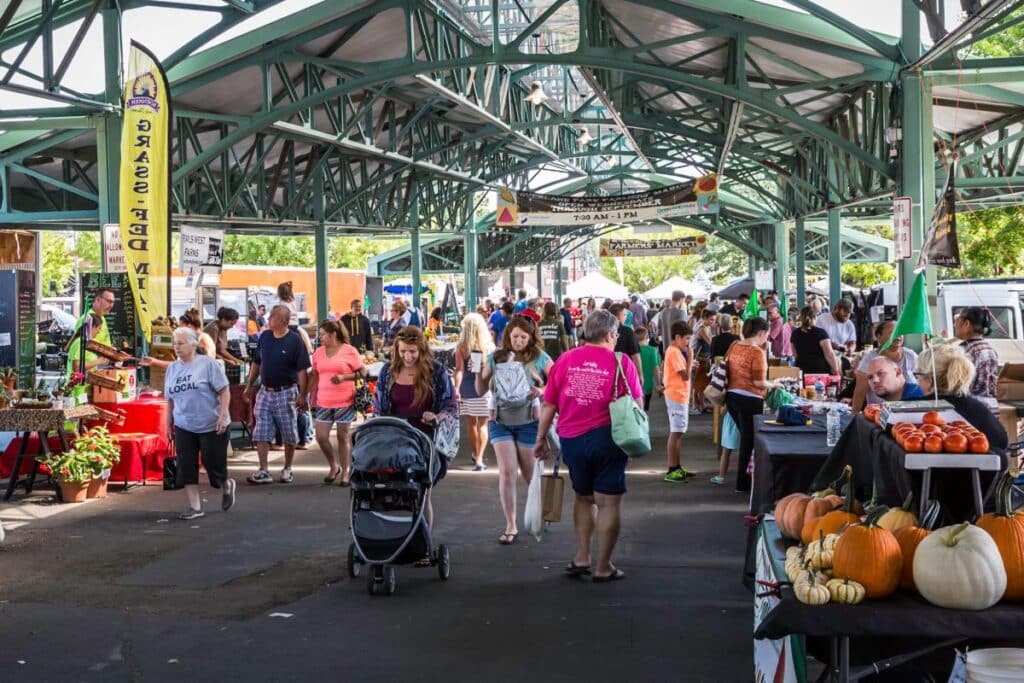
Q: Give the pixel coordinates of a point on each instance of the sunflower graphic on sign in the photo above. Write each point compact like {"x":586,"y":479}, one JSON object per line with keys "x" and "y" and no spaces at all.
{"x":508,"y":210}
{"x":706,"y":189}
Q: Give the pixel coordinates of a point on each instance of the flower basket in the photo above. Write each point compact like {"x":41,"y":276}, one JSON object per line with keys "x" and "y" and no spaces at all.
{"x":89,"y":460}
{"x":73,"y":491}
{"x":97,"y":488}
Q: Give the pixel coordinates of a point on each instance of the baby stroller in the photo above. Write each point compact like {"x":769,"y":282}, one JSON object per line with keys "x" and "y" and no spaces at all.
{"x":394,"y":466}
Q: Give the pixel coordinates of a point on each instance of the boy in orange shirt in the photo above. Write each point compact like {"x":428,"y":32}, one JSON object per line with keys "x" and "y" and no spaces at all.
{"x":676,"y":378}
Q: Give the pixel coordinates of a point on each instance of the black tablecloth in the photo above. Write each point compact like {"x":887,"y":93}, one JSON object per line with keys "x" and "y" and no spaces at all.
{"x":878,"y":469}
{"x":899,"y":615}
{"x":785,"y":462}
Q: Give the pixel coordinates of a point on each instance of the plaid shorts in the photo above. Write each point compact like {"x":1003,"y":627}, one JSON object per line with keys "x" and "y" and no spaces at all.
{"x":335,"y":415}
{"x":276,"y":409}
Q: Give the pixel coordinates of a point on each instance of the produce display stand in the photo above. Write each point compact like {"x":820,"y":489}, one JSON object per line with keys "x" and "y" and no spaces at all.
{"x":926,"y":462}
{"x":781,"y":623}
{"x":41,"y":422}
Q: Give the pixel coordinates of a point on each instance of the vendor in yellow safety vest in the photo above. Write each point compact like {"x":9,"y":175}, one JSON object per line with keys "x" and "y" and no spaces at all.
{"x":92,"y":325}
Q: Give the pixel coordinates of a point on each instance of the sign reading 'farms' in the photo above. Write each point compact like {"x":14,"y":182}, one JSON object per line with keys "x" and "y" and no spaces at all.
{"x":531,"y":209}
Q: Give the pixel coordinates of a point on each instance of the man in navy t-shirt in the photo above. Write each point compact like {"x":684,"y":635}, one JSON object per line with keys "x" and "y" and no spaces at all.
{"x":280,"y":362}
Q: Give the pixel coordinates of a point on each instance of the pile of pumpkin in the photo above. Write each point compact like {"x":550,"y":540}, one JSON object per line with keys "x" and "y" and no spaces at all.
{"x":964,"y":566}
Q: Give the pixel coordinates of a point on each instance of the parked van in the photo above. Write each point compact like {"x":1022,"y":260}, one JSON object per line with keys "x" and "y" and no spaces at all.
{"x":1004,"y":298}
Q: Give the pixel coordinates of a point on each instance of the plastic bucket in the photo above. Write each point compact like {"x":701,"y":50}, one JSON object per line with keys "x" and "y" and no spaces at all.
{"x":995,"y":665}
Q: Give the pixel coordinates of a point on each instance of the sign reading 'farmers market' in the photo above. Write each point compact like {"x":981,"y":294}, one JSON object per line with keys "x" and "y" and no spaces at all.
{"x":531,"y":209}
{"x":682,"y":246}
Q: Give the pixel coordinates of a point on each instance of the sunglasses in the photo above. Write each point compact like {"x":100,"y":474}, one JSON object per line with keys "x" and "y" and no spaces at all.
{"x":408,"y":337}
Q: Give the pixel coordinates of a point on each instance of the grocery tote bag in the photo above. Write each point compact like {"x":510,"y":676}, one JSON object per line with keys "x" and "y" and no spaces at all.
{"x":552,"y":486}
{"x":630,"y":430}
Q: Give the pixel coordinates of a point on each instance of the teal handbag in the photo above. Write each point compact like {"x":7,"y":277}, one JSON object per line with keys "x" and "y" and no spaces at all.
{"x":630,"y":430}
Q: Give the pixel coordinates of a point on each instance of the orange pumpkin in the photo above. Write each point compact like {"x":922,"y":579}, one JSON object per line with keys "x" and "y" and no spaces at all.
{"x":1006,"y":528}
{"x":833,"y":522}
{"x":909,"y":537}
{"x":794,"y":510}
{"x":868,"y":554}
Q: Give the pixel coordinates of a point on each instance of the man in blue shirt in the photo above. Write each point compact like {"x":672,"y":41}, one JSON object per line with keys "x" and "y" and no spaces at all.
{"x":280,"y":363}
{"x":522,"y":302}
{"x":570,"y":328}
{"x":499,"y":319}
{"x":887,"y":381}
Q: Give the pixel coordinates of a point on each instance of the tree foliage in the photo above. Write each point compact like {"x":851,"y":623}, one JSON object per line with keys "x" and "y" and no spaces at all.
{"x":342,"y":252}
{"x":60,"y":251}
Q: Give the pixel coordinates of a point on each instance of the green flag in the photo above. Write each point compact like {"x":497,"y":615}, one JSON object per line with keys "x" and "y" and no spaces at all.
{"x":784,"y":307}
{"x":915,"y":318}
{"x":753,"y":309}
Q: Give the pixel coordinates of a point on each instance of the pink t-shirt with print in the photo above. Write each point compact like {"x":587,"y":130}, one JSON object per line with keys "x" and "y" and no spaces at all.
{"x":344,"y":362}
{"x":580,"y":385}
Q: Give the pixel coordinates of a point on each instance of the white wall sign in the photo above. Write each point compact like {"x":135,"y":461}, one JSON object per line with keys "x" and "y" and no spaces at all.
{"x":901,"y":222}
{"x":113,"y":252}
{"x":200,"y":249}
{"x":764,"y":280}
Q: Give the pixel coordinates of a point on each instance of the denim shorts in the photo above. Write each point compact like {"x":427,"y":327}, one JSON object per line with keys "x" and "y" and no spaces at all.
{"x":596,"y":464}
{"x":342,"y":416}
{"x":524,"y":435}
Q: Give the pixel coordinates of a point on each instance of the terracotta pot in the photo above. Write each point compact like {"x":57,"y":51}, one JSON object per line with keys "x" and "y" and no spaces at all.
{"x":97,"y":488}
{"x":73,"y":492}
{"x":12,"y":383}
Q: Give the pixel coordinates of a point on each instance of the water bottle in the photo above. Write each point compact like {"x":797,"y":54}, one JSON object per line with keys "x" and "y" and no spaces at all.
{"x":832,"y":428}
{"x":819,"y":390}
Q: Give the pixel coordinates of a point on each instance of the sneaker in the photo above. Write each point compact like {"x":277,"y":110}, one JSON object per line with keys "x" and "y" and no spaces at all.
{"x":228,"y":499}
{"x":480,"y":468}
{"x":260,"y":477}
{"x":676,"y":476}
{"x":191,"y":514}
{"x":286,"y":475}
{"x":718,"y":480}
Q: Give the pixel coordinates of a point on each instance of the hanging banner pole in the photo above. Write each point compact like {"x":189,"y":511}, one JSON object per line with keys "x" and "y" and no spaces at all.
{"x":145,"y":212}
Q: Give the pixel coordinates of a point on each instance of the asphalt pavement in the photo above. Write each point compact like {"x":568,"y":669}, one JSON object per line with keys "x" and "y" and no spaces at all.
{"x":121,"y":590}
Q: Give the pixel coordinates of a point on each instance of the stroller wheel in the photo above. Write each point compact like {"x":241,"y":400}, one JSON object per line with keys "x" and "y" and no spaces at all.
{"x":375,"y":579}
{"x":390,"y":580}
{"x":352,"y":562}
{"x":444,"y":562}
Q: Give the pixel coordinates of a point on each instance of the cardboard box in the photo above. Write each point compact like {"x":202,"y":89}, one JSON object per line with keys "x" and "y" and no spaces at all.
{"x":162,"y":348}
{"x":125,"y":375}
{"x":1012,"y":423}
{"x":780,"y":371}
{"x":1011,"y":382}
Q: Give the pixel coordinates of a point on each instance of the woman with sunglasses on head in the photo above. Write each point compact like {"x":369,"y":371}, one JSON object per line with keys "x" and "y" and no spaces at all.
{"x":399,"y":320}
{"x":905,"y":358}
{"x":519,"y":362}
{"x":972,"y":325}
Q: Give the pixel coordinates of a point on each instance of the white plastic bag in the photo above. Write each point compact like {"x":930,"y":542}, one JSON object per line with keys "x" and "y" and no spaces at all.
{"x":533,"y":513}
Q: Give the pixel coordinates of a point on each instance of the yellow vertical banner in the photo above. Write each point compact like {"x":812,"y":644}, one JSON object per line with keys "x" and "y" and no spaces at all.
{"x":145,"y":184}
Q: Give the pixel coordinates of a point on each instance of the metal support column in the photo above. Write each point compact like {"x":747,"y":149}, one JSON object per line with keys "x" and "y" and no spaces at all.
{"x":917,"y":159}
{"x":559,"y":285}
{"x":323,"y":293}
{"x":835,"y":243}
{"x":751,"y":266}
{"x":540,"y":279}
{"x":108,"y":131}
{"x":781,"y":233}
{"x":800,"y":247}
{"x":512,"y":282}
{"x":471,"y":274}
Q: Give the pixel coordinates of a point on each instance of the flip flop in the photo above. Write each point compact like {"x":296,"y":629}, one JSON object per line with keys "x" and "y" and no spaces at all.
{"x":508,"y":539}
{"x":329,"y":479}
{"x":573,"y":569}
{"x":617,"y":575}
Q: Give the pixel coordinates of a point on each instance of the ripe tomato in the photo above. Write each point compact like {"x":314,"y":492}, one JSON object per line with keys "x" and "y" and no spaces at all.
{"x":933,"y":444}
{"x":913,"y":444}
{"x":978,"y":444}
{"x":955,"y":443}
{"x":928,"y":428}
{"x":959,"y":423}
{"x":932,"y":417}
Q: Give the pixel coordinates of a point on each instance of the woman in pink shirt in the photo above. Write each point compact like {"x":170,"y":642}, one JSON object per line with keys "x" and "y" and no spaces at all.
{"x":336,"y":365}
{"x":581,"y":387}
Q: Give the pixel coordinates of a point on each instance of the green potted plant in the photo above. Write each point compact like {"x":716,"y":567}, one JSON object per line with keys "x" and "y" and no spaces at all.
{"x":82,"y":471}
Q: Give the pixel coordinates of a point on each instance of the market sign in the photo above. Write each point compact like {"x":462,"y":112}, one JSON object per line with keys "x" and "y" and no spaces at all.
{"x":681,"y":246}
{"x":532,"y":209}
{"x":901,"y":221}
{"x":200,"y":250}
{"x":113,"y":251}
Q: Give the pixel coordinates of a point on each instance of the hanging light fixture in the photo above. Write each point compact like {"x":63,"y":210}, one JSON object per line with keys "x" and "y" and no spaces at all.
{"x":584,"y":138}
{"x":537,"y":95}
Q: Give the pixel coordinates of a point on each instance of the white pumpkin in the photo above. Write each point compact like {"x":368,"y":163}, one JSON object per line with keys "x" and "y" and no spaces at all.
{"x":959,"y":567}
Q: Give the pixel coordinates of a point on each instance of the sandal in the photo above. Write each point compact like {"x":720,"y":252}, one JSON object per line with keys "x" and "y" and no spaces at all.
{"x":616,"y":575}
{"x":329,"y":479}
{"x":507,"y":538}
{"x":573,"y":569}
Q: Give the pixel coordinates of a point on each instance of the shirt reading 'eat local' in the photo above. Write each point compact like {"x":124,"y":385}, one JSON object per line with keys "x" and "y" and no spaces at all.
{"x":581,"y":385}
{"x":193,"y":390}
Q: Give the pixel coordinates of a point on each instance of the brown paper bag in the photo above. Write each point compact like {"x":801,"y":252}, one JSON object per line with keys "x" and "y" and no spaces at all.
{"x":552,"y":495}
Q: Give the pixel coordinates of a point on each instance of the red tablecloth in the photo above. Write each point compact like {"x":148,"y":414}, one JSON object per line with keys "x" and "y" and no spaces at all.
{"x":142,"y":457}
{"x":143,"y":415}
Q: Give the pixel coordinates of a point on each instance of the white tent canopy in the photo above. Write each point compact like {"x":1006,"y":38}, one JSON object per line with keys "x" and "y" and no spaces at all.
{"x":676,"y":282}
{"x":598,"y":286}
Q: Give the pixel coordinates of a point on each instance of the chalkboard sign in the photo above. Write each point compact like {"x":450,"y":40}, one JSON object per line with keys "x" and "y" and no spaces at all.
{"x":121,"y":320}
{"x":26,"y":328}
